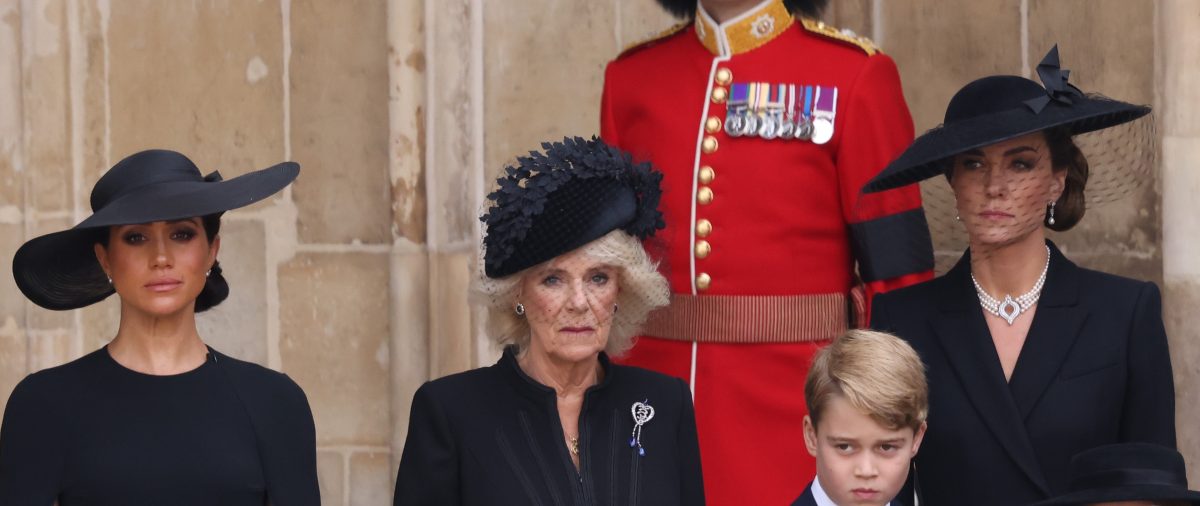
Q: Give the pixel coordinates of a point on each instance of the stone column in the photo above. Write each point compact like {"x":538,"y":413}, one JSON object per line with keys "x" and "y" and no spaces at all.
{"x":409,"y":261}
{"x":1179,"y":71}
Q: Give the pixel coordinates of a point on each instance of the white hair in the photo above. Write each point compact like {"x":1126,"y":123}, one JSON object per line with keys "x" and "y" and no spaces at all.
{"x":642,"y":289}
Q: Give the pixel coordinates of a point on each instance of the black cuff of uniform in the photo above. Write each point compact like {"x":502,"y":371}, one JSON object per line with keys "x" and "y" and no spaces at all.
{"x":893,"y":245}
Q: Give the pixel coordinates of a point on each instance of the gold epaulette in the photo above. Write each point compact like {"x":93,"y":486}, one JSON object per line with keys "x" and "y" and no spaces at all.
{"x":844,"y":35}
{"x":661,"y":35}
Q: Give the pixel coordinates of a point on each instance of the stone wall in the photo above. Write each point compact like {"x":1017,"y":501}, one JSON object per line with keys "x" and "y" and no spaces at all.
{"x":401,"y":112}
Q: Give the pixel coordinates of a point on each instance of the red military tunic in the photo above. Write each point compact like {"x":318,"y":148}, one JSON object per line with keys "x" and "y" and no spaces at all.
{"x":763,"y":235}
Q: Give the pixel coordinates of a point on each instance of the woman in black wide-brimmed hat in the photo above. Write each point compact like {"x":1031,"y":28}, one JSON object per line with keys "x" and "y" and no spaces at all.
{"x":155,"y":416}
{"x":566,"y":282}
{"x":1031,"y":358}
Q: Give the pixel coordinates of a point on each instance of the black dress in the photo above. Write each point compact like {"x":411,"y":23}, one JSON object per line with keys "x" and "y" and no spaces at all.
{"x":1094,"y":370}
{"x":493,"y":436}
{"x":92,"y":432}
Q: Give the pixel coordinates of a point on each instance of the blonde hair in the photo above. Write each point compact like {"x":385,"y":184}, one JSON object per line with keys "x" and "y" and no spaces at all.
{"x":642,"y":289}
{"x":877,"y":373}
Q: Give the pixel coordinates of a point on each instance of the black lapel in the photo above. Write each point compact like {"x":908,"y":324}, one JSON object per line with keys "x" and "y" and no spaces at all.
{"x":1056,"y":325}
{"x":963,"y":334}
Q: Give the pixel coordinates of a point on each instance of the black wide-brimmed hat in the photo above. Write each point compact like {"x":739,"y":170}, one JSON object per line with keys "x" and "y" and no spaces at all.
{"x":575,"y":192}
{"x":59,"y":271}
{"x":998,"y":108}
{"x":1126,"y":472}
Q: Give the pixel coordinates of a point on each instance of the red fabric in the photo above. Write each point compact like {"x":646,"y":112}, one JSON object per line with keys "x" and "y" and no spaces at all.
{"x":750,"y":409}
{"x":780,"y":216}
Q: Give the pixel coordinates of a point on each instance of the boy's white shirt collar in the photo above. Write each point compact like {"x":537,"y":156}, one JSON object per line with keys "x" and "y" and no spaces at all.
{"x":821,"y":498}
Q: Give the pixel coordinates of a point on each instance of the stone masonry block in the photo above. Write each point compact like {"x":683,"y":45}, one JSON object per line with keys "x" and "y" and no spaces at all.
{"x":638,"y":21}
{"x":339,"y":92}
{"x":11,"y":118}
{"x":452,"y":172}
{"x":334,"y":342}
{"x":371,"y":476}
{"x":46,"y":105}
{"x":410,"y":342}
{"x":238,"y":326}
{"x":451,"y":345}
{"x":331,"y":473}
{"x":1180,"y":184}
{"x":852,"y":14}
{"x":12,"y":301}
{"x":527,"y":73}
{"x":92,"y":123}
{"x":1107,"y":44}
{"x":941,"y":46}
{"x":1180,"y":67}
{"x":201,"y":78}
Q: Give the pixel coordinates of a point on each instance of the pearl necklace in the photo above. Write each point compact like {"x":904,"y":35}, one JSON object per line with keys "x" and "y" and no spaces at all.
{"x":1011,"y":308}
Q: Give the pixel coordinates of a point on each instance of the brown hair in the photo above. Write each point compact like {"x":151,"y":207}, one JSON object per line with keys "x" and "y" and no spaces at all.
{"x":877,"y":373}
{"x":1065,"y":155}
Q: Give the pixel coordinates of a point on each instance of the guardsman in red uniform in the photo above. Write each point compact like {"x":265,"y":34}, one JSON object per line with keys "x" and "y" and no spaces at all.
{"x":766,"y":125}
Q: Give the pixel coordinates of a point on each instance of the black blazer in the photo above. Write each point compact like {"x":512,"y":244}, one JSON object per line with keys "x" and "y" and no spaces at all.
{"x":1094,"y":370}
{"x":807,"y":498}
{"x":493,"y":436}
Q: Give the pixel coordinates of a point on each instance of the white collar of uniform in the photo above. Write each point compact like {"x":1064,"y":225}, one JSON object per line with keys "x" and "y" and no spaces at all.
{"x":822,"y":499}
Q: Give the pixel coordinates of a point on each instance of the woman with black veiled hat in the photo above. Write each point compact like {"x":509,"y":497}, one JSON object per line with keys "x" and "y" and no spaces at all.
{"x":567,"y":283}
{"x":155,"y":416}
{"x":1031,"y":358}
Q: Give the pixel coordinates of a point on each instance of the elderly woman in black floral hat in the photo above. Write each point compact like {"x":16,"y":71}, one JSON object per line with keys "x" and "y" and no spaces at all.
{"x":567,"y":284}
{"x":1031,"y":358}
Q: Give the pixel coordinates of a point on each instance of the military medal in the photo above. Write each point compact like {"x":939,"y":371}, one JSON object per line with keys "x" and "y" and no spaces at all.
{"x":787,"y":124}
{"x":776,"y":96}
{"x":781,"y":111}
{"x":804,"y":118}
{"x":736,"y":112}
{"x":824,"y":110}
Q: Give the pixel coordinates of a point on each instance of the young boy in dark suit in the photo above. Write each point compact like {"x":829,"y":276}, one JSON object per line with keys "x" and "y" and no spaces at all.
{"x":867,"y":402}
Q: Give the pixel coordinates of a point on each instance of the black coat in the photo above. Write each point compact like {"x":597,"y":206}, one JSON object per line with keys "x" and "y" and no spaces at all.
{"x":1094,"y":370}
{"x":94,"y":432}
{"x":493,"y":436}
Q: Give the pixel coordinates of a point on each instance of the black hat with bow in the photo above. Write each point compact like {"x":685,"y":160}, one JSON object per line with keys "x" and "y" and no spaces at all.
{"x":552,"y":202}
{"x":60,"y":271}
{"x":998,"y":108}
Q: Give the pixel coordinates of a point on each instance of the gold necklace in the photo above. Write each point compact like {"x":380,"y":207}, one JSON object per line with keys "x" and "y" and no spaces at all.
{"x":574,"y":445}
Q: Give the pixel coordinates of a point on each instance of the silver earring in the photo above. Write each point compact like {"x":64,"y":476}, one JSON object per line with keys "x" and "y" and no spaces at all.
{"x":109,"y":278}
{"x":520,"y":310}
{"x":208,"y":273}
{"x":1051,"y":219}
{"x":956,"y":217}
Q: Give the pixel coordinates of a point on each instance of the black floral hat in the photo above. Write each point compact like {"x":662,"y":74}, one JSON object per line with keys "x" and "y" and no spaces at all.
{"x":573,"y":193}
{"x":997,"y":108}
